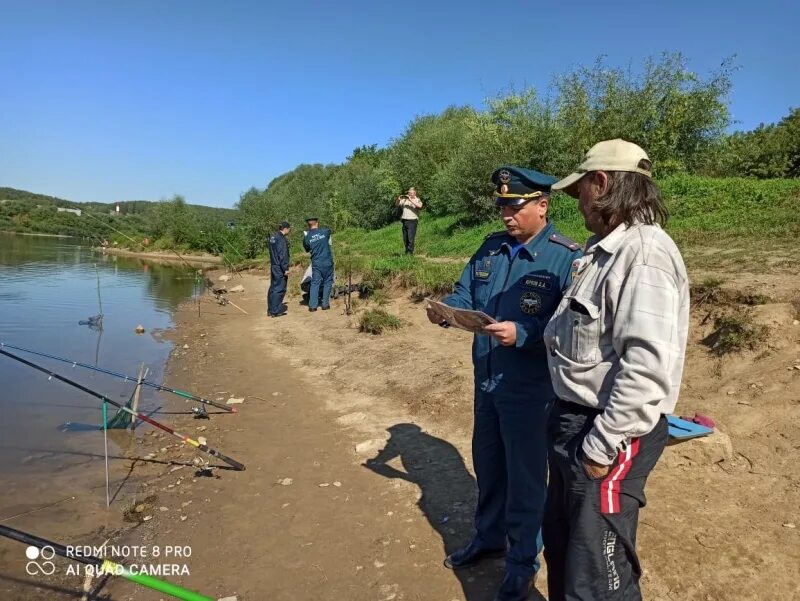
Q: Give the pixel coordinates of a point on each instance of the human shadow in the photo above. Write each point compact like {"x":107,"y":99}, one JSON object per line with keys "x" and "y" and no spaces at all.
{"x":448,"y":498}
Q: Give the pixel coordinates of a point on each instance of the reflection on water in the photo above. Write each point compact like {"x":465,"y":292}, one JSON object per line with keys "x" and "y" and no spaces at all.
{"x":47,"y":286}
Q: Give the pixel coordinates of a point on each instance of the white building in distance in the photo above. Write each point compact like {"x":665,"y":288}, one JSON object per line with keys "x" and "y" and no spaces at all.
{"x":65,"y":210}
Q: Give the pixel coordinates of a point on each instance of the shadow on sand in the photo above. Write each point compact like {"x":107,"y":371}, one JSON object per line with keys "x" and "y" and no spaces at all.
{"x":449,"y":493}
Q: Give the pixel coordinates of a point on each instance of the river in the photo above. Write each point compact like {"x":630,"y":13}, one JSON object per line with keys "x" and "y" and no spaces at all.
{"x":50,"y":444}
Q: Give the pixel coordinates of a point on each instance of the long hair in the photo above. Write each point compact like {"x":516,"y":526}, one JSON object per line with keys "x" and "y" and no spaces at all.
{"x":631,"y":197}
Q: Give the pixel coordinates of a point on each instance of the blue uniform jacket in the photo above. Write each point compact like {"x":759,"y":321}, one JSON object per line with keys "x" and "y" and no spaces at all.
{"x":525,"y":289}
{"x":318,"y":243}
{"x":279,"y":252}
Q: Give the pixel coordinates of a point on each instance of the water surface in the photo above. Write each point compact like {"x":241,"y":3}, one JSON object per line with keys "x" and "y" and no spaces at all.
{"x":47,"y":286}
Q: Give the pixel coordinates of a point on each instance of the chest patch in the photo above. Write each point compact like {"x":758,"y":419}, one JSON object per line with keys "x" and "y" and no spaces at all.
{"x":530,"y":303}
{"x":483,"y":269}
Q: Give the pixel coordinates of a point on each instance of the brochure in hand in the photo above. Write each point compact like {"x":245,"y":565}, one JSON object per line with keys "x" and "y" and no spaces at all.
{"x":466,"y":319}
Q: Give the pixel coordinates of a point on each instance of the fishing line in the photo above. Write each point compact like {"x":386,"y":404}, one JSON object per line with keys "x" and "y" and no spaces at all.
{"x":185,"y":439}
{"x":161,"y":387}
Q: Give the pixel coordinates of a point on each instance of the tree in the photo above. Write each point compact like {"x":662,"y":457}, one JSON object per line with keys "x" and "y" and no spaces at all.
{"x":426,"y":147}
{"x":769,"y":151}
{"x":362,"y":190}
{"x":668,"y":110}
{"x":175,"y":222}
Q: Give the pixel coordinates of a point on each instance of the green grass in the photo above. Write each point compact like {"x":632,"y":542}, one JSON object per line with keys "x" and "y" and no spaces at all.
{"x":703,"y":211}
{"x":719,"y":223}
{"x":723,"y":210}
{"x":376,"y":321}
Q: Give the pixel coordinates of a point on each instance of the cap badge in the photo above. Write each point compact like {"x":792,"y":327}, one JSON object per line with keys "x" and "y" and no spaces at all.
{"x":504,"y":176}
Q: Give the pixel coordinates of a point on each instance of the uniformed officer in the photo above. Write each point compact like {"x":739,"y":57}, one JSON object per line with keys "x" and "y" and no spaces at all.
{"x":279,"y":270}
{"x":517,"y":276}
{"x":317,"y":241}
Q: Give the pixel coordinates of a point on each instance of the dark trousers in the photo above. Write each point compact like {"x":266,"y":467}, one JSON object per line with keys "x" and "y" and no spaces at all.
{"x":590,"y":524}
{"x":409,"y":233}
{"x":277,"y":290}
{"x":509,"y":453}
{"x":320,"y":275}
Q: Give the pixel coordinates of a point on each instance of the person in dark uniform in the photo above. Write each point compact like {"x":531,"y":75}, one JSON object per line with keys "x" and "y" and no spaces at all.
{"x":517,"y":277}
{"x":317,"y":241}
{"x":279,"y":271}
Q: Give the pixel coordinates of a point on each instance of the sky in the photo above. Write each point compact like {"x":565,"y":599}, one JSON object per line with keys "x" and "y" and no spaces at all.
{"x":144,"y":99}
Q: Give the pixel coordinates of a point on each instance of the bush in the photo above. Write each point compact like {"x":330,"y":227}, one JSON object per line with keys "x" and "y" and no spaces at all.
{"x":708,"y":291}
{"x":735,"y":333}
{"x":375,"y":321}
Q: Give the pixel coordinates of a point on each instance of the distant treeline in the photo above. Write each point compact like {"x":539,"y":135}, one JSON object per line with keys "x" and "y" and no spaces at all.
{"x":166,"y":224}
{"x":680,"y":118}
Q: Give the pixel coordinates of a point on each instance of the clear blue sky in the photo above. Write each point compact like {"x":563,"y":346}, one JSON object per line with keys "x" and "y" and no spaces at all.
{"x":148,"y":98}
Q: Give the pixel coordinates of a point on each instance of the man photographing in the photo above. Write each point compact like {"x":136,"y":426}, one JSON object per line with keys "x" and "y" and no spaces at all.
{"x":411,"y":206}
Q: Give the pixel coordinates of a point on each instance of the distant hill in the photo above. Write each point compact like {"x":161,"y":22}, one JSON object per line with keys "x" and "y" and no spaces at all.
{"x":25,"y":196}
{"x":127,"y":207}
{"x":165,"y":223}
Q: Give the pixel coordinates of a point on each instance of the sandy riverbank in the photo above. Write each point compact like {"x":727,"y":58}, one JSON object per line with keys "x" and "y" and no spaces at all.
{"x":36,"y":234}
{"x":307,"y":520}
{"x":165,"y":256}
{"x":329,"y":398}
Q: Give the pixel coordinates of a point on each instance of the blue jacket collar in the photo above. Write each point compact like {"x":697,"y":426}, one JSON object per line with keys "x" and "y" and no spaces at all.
{"x":529,"y":247}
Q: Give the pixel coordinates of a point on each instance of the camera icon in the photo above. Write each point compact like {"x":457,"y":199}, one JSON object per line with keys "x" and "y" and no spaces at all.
{"x":40,"y":563}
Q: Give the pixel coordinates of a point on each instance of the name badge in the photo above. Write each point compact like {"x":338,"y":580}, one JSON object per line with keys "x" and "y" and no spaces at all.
{"x":537,"y":282}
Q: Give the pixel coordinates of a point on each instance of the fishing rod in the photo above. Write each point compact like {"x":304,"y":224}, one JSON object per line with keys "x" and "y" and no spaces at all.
{"x":180,"y":393}
{"x":203,"y":447}
{"x":104,"y":566}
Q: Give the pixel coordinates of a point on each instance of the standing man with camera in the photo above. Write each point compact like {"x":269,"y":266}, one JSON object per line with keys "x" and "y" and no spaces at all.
{"x":279,"y":271}
{"x":317,"y":241}
{"x":411,"y":205}
{"x":517,"y":277}
{"x":616,"y":347}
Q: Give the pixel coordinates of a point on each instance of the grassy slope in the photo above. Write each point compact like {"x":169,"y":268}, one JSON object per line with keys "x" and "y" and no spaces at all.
{"x":706,"y":214}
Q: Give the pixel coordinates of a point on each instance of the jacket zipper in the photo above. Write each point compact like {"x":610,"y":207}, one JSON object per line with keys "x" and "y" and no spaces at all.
{"x":496,"y":307}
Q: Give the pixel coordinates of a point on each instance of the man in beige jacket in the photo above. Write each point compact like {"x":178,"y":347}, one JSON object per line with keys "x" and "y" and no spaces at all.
{"x":616,"y":347}
{"x":411,"y":206}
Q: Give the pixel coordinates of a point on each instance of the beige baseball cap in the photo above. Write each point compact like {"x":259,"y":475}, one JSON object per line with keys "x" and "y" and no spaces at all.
{"x":609,"y":155}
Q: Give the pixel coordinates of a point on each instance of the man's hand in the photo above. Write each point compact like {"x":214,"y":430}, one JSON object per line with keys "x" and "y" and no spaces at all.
{"x":594,"y":469}
{"x":433,"y":316}
{"x":505,"y":332}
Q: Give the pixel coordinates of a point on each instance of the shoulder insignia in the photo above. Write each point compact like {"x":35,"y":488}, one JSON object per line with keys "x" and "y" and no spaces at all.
{"x":564,"y":241}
